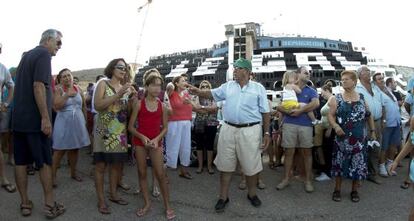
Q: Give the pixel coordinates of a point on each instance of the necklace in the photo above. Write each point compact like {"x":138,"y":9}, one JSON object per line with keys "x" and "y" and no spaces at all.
{"x":151,"y":105}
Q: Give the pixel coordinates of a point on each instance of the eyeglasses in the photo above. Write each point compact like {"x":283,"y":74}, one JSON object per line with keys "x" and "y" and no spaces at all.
{"x":59,"y":43}
{"x":120,"y":67}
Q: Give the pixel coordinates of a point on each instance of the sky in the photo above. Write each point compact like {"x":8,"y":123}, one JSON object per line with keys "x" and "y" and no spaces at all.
{"x":97,"y":31}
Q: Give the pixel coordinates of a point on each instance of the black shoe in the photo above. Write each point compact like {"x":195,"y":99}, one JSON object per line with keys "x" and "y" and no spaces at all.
{"x":254,"y":200}
{"x":220,"y":205}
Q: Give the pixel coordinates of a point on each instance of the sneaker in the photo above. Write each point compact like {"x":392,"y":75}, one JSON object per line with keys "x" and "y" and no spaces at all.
{"x":322,"y":177}
{"x":309,"y":187}
{"x":382,"y":170}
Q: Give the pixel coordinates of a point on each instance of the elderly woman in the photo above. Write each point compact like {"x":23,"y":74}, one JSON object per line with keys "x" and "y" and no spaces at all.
{"x":110,"y":136}
{"x":69,"y":131}
{"x":205,"y":128}
{"x":348,"y":116}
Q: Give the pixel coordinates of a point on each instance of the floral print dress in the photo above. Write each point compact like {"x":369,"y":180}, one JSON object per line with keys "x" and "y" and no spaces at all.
{"x":110,"y":135}
{"x":349,"y":156}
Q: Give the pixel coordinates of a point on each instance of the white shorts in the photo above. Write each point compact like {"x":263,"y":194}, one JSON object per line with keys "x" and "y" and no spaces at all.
{"x":242,"y":145}
{"x":178,"y":143}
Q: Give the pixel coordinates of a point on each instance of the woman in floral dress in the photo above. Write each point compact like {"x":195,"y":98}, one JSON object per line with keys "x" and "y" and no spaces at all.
{"x":110,"y":136}
{"x":348,"y":116}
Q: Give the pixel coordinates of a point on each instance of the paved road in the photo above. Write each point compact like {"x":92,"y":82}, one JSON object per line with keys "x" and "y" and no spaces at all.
{"x":194,"y":200}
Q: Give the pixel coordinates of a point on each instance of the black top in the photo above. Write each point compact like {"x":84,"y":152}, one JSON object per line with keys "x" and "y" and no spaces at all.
{"x":35,"y":65}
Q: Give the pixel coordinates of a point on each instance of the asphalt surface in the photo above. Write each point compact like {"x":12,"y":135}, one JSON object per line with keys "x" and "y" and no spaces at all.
{"x":195,"y":199}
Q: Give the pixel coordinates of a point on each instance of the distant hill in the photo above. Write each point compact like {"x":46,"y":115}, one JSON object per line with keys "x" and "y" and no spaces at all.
{"x":88,"y":75}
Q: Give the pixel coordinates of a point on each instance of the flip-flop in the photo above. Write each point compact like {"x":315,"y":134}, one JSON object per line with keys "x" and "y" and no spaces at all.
{"x":170,"y":214}
{"x":186,"y":175}
{"x":142,"y":212}
{"x":104,"y":210}
{"x":9,"y":187}
{"x":77,"y":178}
{"x":119,"y":201}
{"x":405,"y":185}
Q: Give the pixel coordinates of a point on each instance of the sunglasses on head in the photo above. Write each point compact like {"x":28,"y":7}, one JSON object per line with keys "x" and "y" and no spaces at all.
{"x":121,"y":67}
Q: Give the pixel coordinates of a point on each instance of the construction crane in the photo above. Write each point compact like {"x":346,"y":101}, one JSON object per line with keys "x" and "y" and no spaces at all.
{"x":147,"y":4}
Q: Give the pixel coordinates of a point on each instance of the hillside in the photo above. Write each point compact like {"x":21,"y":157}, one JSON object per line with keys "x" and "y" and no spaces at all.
{"x":88,"y":75}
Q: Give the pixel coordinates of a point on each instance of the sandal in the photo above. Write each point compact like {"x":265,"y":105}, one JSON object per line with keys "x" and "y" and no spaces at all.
{"x":54,"y":211}
{"x":170,"y":214}
{"x":26,"y":209}
{"x":186,"y":175}
{"x":354,"y":196}
{"x":77,"y":178}
{"x":142,"y":212}
{"x":119,"y":201}
{"x":405,"y":185}
{"x":336,"y":196}
{"x":104,"y":209}
{"x":9,"y":187}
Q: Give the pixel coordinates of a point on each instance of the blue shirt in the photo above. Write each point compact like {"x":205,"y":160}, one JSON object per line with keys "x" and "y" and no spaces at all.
{"x":409,"y":99}
{"x":243,"y":105}
{"x":375,"y":102}
{"x":307,"y":95}
{"x":392,"y":111}
{"x":35,"y":65}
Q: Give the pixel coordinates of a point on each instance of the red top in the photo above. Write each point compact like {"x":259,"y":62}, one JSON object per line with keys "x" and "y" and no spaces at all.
{"x":149,"y":123}
{"x":180,"y":111}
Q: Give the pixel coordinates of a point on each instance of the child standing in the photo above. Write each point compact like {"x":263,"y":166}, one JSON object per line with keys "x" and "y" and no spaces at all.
{"x":152,"y":119}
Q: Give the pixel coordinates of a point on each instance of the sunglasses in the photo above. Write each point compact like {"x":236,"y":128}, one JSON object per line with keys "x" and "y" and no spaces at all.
{"x":59,"y":43}
{"x":204,"y":87}
{"x":121,"y":67}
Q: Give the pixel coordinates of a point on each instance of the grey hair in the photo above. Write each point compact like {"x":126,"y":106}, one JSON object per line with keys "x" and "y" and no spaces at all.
{"x":50,"y":33}
{"x":359,"y":70}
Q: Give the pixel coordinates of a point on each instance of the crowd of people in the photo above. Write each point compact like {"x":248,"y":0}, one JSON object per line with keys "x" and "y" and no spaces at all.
{"x":354,"y":134}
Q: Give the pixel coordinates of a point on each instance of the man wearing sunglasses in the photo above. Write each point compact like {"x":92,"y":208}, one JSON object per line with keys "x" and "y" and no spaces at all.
{"x":246,"y":115}
{"x":33,"y":103}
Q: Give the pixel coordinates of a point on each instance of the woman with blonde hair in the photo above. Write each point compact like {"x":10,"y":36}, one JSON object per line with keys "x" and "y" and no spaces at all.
{"x":348,"y":116}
